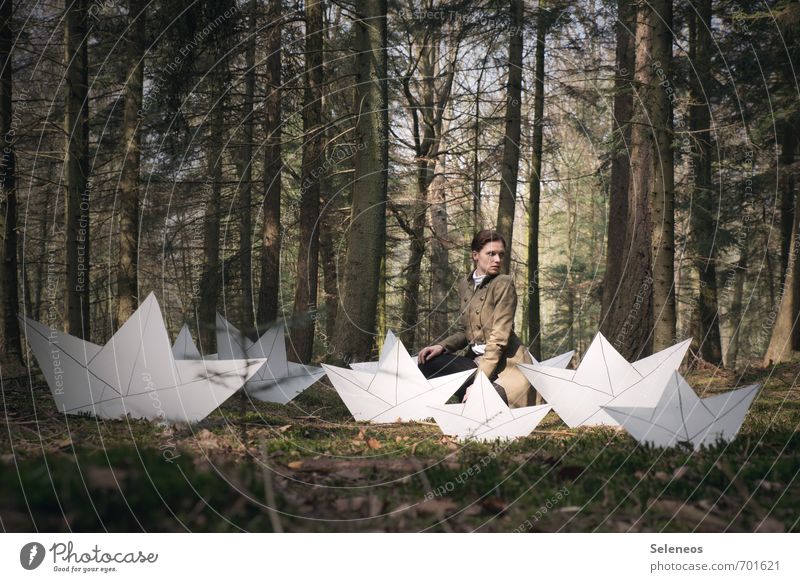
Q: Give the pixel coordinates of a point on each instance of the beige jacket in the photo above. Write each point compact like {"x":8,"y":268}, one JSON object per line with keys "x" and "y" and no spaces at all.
{"x":487,"y":317}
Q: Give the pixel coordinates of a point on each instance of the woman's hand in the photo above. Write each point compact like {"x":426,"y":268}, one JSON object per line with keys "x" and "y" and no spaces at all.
{"x":426,"y":354}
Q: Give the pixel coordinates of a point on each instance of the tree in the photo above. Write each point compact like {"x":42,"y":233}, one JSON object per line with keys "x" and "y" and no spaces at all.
{"x":513,"y":130}
{"x":535,"y":188}
{"x":629,"y":322}
{"x":76,"y":167}
{"x":305,"y":297}
{"x":427,"y":101}
{"x":271,"y":230}
{"x":624,"y":63}
{"x":218,"y":79}
{"x":660,"y":94}
{"x":246,"y":162}
{"x":10,"y":344}
{"x":355,"y":320}
{"x":703,"y":207}
{"x":127,"y":278}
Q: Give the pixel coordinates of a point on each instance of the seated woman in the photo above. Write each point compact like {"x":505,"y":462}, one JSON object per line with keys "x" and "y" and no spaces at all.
{"x":487,"y":301}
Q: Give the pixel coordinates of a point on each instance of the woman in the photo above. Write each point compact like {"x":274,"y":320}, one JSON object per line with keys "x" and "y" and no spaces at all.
{"x":487,"y":301}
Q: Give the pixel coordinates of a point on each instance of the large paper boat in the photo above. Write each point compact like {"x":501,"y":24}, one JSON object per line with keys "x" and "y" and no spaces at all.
{"x":278,"y":380}
{"x":484,"y":416}
{"x":394,"y":391}
{"x":604,"y":378}
{"x":681,"y":416}
{"x":135,"y":373}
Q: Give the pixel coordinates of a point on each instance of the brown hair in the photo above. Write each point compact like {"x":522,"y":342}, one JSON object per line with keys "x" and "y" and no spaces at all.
{"x":486,"y":236}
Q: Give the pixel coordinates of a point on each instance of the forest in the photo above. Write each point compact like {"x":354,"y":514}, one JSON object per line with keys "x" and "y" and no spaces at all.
{"x":326,"y":163}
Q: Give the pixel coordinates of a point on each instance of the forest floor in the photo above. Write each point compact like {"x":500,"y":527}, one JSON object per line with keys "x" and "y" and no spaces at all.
{"x":308,"y":466}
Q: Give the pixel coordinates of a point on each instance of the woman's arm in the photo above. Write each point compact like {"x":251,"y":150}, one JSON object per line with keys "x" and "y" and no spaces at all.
{"x":505,"y":306}
{"x":456,"y":341}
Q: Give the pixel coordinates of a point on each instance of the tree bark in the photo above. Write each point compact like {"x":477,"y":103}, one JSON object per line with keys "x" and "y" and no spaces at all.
{"x":788,"y":146}
{"x":246,"y":181}
{"x":305,"y":296}
{"x":513,"y":129}
{"x":780,"y":343}
{"x":620,"y":162}
{"x":629,"y":321}
{"x":441,"y":279}
{"x":210,"y":280}
{"x":355,"y":320}
{"x":10,"y":343}
{"x":76,"y":166}
{"x":269,"y":289}
{"x":736,"y":311}
{"x":127,"y":279}
{"x":703,"y":207}
{"x":663,"y":194}
{"x":534,"y":192}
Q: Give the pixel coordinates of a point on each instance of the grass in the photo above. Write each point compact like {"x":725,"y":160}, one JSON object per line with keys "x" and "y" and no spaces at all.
{"x":307,"y":466}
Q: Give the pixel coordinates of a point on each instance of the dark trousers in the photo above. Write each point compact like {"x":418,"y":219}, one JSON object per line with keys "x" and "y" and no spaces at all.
{"x":445,"y":364}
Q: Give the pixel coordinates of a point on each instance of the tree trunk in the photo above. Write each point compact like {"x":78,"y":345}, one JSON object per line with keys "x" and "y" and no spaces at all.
{"x":305,"y":296}
{"x":780,"y":347}
{"x":629,"y":321}
{"x":427,"y":139}
{"x":355,"y":320}
{"x":736,"y":311}
{"x":620,"y":162}
{"x":269,"y":290}
{"x":663,"y":194}
{"x":441,"y":279}
{"x":788,"y":146}
{"x":786,"y":180}
{"x":10,"y":344}
{"x":246,"y":181}
{"x":534,"y":193}
{"x":127,"y":279}
{"x":513,"y":128}
{"x":704,"y":210}
{"x":210,"y":280}
{"x":76,"y":165}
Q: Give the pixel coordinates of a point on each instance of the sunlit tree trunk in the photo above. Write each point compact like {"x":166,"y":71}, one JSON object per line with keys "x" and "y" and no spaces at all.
{"x":360,"y":276}
{"x":513,"y":130}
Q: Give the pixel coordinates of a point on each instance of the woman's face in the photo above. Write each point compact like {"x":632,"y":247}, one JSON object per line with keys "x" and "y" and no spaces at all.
{"x":490,"y":258}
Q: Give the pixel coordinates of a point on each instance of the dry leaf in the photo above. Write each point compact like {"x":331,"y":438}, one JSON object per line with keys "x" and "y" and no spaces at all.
{"x":373,"y":443}
{"x":284,"y":428}
{"x":295,"y":465}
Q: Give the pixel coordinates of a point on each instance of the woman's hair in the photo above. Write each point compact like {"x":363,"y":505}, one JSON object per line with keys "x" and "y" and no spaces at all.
{"x":486,"y":236}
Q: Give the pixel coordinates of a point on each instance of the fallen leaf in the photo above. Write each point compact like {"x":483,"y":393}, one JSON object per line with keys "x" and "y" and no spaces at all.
{"x":373,"y":443}
{"x":295,"y":465}
{"x":284,"y":428}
